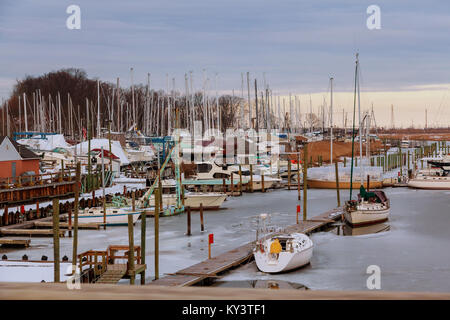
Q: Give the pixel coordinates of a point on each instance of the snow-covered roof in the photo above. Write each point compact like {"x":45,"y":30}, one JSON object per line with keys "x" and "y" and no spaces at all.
{"x":116,"y":148}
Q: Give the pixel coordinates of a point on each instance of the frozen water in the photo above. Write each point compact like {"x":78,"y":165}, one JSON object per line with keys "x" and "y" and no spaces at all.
{"x":413,"y":255}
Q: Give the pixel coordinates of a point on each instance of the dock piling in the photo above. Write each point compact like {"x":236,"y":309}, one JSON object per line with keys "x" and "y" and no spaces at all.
{"x":305,"y":180}
{"x":202,"y":226}
{"x":56,"y":240}
{"x":131,"y":247}
{"x":157,"y":233}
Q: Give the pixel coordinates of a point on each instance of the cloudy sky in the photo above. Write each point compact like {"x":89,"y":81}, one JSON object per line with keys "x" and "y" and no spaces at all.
{"x":297,"y":44}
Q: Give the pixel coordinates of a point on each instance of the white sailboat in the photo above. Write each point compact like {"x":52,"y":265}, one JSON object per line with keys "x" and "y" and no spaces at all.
{"x":282,"y":252}
{"x":114,"y":216}
{"x":370,"y":207}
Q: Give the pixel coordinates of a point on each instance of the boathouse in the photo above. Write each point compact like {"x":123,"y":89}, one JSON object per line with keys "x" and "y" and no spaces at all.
{"x":16,"y":159}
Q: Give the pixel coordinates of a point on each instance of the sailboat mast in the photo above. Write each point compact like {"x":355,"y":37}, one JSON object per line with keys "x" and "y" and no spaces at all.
{"x":98,"y":109}
{"x":331,"y":121}
{"x":360,"y":132}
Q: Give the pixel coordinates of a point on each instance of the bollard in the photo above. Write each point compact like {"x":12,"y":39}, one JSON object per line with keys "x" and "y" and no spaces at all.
{"x":210,"y":242}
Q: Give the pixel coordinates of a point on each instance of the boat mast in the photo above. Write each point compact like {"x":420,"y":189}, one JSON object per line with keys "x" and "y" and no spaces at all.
{"x":98,"y":108}
{"x":353,"y":128}
{"x":360,"y":132}
{"x":331,"y":121}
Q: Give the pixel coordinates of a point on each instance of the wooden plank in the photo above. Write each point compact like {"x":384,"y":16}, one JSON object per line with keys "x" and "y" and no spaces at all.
{"x":30,"y":232}
{"x":65,"y":225}
{"x":15,"y":242}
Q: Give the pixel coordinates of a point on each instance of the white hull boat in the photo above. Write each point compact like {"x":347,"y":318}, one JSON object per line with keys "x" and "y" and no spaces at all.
{"x":209,"y":200}
{"x":296,"y":251}
{"x":371,"y":208}
{"x":433,"y":179}
{"x":114,"y":216}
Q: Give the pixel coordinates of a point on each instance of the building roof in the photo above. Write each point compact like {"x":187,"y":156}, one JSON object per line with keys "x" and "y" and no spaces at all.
{"x":23,"y":151}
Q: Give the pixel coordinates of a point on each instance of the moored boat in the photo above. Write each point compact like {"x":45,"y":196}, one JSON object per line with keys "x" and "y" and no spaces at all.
{"x":114,"y":216}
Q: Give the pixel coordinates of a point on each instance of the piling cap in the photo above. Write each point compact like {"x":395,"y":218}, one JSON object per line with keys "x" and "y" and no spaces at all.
{"x":24,"y":257}
{"x":4,"y":257}
{"x":44,"y":258}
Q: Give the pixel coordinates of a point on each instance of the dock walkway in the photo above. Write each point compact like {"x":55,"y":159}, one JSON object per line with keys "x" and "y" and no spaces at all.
{"x":211,"y":268}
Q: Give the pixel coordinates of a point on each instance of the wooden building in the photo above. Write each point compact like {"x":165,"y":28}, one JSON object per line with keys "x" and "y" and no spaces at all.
{"x":16,"y":159}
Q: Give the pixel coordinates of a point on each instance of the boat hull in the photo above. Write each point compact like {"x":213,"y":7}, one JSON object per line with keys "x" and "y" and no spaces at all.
{"x":208,"y":201}
{"x":119,"y":219}
{"x":360,"y":218}
{"x":286,"y":261}
{"x":329,"y":184}
{"x":433,"y":183}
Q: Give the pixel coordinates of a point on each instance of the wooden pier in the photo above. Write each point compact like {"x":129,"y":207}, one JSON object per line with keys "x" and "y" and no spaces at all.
{"x":15,"y":242}
{"x":41,"y":228}
{"x":211,"y":268}
{"x":107,"y":266}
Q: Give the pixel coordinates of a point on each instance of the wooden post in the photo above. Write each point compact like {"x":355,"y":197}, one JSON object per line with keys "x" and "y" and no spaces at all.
{"x":224,"y":185}
{"x":143,"y":237}
{"x":251,"y":178}
{"x":337,"y":184}
{"x":298,"y":213}
{"x":305,"y":180}
{"x":299,"y":196}
{"x":61,"y":177}
{"x":70,"y":222}
{"x":56,"y":240}
{"x":188,"y":233}
{"x":202,"y":226}
{"x":157,"y":233}
{"x":240,"y":180}
{"x":75,"y":222}
{"x":131,"y":248}
{"x":232,"y":184}
{"x":289,"y":173}
{"x":262,"y":183}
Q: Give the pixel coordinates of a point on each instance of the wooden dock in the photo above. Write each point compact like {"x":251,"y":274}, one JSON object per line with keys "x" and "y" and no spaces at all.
{"x":211,"y":268}
{"x":15,"y":242}
{"x":42,"y":228}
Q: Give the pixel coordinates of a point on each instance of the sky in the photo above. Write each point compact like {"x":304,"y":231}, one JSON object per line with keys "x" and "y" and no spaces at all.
{"x":296,"y":45}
